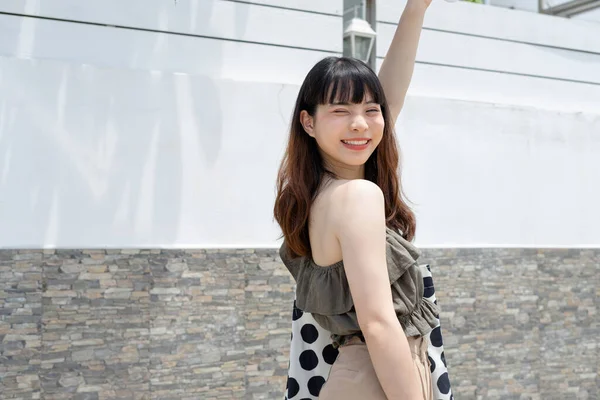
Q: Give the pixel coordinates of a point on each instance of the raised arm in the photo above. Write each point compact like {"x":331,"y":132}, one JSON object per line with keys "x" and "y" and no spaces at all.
{"x":361,"y":233}
{"x":399,"y":63}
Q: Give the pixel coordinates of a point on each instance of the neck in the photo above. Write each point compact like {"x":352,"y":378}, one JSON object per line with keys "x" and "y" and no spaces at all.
{"x":346,"y":171}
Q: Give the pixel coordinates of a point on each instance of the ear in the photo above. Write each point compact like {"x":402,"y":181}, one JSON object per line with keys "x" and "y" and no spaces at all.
{"x":307,"y":122}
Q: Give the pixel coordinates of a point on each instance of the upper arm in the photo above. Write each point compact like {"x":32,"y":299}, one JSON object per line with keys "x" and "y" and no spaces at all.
{"x":395,"y":110}
{"x":395,"y":93}
{"x":395,"y":97}
{"x":361,"y":231}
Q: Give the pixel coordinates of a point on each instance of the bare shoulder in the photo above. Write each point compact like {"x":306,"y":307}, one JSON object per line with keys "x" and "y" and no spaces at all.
{"x":357,"y":193}
{"x":360,"y":189}
{"x":357,"y":202}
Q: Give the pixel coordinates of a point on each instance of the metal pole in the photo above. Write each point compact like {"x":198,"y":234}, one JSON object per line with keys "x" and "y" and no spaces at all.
{"x":372,"y":19}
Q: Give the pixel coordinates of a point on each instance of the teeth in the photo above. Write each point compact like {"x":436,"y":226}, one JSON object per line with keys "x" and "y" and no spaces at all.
{"x":354,"y":142}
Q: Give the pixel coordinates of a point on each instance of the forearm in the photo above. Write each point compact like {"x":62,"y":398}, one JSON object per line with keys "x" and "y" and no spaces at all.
{"x":398,"y":66}
{"x":392,"y":360}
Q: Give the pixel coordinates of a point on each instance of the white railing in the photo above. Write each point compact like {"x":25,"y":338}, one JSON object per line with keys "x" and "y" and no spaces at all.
{"x":568,"y":9}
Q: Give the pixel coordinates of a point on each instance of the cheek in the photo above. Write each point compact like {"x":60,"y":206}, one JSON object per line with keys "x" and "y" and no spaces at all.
{"x":330,"y":130}
{"x":379,"y":125}
{"x":377,"y":129}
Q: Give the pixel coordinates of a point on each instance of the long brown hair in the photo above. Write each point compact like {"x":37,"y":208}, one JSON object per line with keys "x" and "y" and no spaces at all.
{"x":345,"y":80}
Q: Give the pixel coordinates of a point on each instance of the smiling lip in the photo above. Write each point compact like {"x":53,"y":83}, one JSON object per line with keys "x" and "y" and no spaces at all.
{"x":357,"y":147}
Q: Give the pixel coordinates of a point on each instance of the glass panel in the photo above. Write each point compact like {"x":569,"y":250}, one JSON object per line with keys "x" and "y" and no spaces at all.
{"x":362,"y":48}
{"x":348,"y":47}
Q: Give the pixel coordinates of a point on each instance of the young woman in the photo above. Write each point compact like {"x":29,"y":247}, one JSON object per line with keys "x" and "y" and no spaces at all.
{"x":347,"y":229}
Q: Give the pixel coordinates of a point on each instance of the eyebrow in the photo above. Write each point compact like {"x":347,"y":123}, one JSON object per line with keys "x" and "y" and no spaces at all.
{"x":347,"y":104}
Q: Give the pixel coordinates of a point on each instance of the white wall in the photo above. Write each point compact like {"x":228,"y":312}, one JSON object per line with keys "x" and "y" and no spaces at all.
{"x":592,"y":16}
{"x":167,"y":130}
{"x":216,"y":38}
{"x":532,"y":5}
{"x":163,"y":131}
{"x":526,"y":5}
{"x":501,"y":130}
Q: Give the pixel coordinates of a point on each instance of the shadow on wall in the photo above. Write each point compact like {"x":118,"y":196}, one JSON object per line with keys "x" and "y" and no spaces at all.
{"x":109,"y":157}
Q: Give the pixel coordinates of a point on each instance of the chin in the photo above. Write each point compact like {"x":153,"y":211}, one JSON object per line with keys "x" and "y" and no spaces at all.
{"x":356,"y":162}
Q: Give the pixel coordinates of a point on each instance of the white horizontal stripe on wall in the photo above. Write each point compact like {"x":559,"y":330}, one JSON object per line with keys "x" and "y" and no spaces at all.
{"x":216,"y":19}
{"x":501,"y":23}
{"x":327,"y":7}
{"x":438,"y":81}
{"x":123,"y":48}
{"x":477,"y":52}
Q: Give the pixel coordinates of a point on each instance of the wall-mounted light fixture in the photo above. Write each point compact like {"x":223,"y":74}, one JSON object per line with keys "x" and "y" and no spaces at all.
{"x":358,"y":37}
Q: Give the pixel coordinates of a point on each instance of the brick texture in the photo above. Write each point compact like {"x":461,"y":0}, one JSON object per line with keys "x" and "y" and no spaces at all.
{"x":215,"y":324}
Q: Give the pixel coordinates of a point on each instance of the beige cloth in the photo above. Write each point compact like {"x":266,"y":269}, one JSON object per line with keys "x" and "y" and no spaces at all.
{"x":352,"y":376}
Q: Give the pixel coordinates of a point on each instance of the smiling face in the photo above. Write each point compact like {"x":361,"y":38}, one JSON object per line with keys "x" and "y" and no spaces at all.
{"x":341,"y":123}
{"x":346,"y":133}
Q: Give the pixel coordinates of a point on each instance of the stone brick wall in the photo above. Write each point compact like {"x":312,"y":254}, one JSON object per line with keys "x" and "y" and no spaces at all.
{"x":215,"y":324}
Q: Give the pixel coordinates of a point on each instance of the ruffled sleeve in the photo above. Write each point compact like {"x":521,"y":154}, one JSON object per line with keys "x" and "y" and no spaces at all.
{"x":292,"y":264}
{"x":400,"y":254}
{"x":319,"y":290}
{"x":421,"y":320}
{"x":325,"y":290}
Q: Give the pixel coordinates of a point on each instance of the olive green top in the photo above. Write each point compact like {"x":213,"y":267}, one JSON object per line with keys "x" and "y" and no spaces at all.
{"x":324,"y":291}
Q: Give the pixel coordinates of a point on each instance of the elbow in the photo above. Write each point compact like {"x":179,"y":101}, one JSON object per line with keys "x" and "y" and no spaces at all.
{"x":395,"y":110}
{"x":381,"y":326}
{"x":399,"y":106}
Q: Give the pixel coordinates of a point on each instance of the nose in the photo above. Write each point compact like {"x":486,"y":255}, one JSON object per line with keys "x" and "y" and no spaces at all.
{"x":359,"y":124}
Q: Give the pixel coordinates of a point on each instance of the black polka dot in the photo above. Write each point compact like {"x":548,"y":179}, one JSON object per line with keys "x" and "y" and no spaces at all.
{"x":309,"y":333}
{"x":451,"y":397}
{"x":330,"y":354}
{"x":443,"y":357}
{"x":428,"y":281}
{"x":309,"y":360}
{"x":428,"y":292}
{"x":436,"y":337}
{"x":443,"y":383}
{"x":315,"y":384}
{"x":428,"y":268}
{"x":297,"y":313}
{"x":293,"y":388}
{"x":432,"y":367}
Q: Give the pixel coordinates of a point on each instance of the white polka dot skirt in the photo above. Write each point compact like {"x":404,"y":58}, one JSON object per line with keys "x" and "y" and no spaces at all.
{"x":312,"y":354}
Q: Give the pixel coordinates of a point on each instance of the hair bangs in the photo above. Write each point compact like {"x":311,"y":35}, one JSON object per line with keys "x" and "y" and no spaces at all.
{"x":348,"y":81}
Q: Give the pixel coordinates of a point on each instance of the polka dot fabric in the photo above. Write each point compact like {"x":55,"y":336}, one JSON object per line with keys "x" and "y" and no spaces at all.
{"x":312,"y":355}
{"x":435,"y":351}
